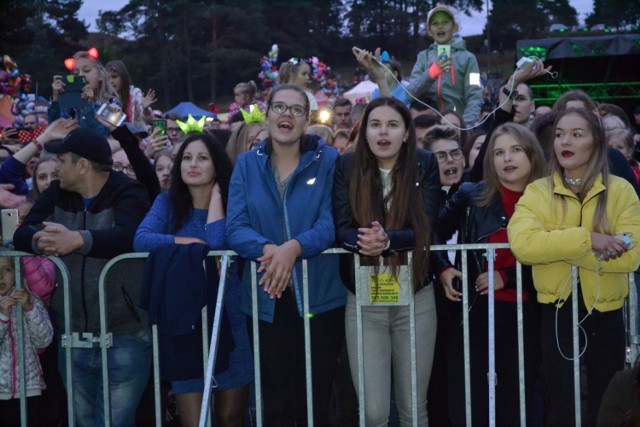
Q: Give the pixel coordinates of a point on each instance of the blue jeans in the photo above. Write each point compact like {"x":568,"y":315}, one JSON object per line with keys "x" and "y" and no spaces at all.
{"x":129,"y":363}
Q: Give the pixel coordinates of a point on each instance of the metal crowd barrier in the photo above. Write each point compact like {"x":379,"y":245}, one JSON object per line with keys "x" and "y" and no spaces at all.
{"x":74,"y":340}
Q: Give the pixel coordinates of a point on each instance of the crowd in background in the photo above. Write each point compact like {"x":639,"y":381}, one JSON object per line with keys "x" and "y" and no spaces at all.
{"x":448,"y":154}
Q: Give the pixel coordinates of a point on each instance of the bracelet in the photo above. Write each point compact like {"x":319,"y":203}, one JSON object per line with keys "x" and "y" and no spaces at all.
{"x":37,"y":144}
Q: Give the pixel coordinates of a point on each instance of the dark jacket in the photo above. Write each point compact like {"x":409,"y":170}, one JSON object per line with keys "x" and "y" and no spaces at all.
{"x":107,"y":227}
{"x":175,"y":289}
{"x":145,"y":172}
{"x":403,"y":240}
{"x":475,"y":224}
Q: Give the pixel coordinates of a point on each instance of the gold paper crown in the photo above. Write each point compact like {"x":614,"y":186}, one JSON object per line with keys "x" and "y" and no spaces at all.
{"x":191,"y":125}
{"x":254,"y":115}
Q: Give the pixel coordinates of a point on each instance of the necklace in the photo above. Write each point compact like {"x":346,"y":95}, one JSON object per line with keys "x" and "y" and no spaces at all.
{"x":577,"y":182}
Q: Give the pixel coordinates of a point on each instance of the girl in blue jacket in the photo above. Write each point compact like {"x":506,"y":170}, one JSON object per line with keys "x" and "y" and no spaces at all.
{"x":279,"y":211}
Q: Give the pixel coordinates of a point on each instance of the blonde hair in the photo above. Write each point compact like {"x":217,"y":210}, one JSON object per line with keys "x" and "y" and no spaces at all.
{"x":596,"y":166}
{"x":531,"y":147}
{"x":238,"y":141}
{"x":247,"y":88}
{"x":322,"y":131}
{"x":106,"y":92}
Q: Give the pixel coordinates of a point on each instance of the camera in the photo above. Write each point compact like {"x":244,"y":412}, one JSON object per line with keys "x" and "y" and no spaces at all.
{"x":114,"y":117}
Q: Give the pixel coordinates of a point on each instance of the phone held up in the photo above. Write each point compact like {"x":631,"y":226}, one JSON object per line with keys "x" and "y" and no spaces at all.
{"x":72,"y":95}
{"x":10,"y":219}
{"x":161,"y":125}
{"x":444,"y":52}
{"x":114,"y":117}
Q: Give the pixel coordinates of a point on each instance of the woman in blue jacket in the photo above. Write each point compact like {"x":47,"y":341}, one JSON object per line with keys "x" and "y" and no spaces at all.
{"x":193,"y":211}
{"x":279,"y":212}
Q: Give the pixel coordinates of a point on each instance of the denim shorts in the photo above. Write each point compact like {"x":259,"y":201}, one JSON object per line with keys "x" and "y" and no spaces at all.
{"x":195,"y":385}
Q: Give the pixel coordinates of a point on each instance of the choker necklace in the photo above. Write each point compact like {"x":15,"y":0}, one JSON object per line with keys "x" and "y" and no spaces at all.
{"x":577,"y":182}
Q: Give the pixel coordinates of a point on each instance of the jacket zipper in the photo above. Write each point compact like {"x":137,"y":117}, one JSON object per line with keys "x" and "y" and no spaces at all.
{"x":288,"y":231}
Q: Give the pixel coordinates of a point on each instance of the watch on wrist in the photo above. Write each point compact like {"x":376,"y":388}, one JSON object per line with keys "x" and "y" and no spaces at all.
{"x":512,"y":94}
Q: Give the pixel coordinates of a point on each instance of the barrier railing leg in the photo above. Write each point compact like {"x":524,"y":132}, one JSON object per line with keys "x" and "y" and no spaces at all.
{"x":256,"y":343}
{"x":466,"y":339}
{"x":491,"y":374}
{"x":205,"y":409}
{"x":521,"y":356}
{"x":576,"y":345}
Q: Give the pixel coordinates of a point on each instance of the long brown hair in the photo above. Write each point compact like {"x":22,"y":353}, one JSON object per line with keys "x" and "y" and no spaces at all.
{"x":120,"y":69}
{"x":532,"y":149}
{"x":403,"y":207}
{"x":597,"y":165}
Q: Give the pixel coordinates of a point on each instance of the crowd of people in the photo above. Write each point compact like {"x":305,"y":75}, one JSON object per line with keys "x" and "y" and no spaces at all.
{"x":422,"y":163}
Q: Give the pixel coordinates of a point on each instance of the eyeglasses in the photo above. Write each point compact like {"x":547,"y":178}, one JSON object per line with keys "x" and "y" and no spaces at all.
{"x":281,"y":108}
{"x":441,"y":156}
{"x":126,"y":169}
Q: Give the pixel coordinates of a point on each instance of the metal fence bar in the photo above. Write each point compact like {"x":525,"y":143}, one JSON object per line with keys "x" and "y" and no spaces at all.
{"x":412,"y":343}
{"x":213,"y":349}
{"x":576,"y":345}
{"x":466,"y":338}
{"x":360,"y":340}
{"x":521,"y":376}
{"x":204,"y":319}
{"x":491,"y":374}
{"x":256,"y":343}
{"x":306,"y":318}
{"x":156,"y":376}
{"x":21,"y":343}
{"x":105,"y":335}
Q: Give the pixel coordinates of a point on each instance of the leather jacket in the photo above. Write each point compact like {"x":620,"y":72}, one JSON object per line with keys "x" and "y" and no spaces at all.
{"x":475,"y":224}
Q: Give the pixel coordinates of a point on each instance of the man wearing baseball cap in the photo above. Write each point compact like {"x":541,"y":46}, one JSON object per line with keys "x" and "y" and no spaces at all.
{"x":88,"y":217}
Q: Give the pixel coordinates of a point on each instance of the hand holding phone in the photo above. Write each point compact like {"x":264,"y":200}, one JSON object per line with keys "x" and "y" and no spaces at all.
{"x":113,"y":115}
{"x":159,"y":127}
{"x":72,"y":89}
{"x":444,"y":52}
{"x":10,"y":219}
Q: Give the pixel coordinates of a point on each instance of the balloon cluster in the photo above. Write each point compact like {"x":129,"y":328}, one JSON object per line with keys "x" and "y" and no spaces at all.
{"x":18,"y":86}
{"x":269,"y":68}
{"x":10,"y":78}
{"x":318,"y":69}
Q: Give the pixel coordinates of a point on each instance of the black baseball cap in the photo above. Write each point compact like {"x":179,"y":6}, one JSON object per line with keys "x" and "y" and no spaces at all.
{"x":84,"y":143}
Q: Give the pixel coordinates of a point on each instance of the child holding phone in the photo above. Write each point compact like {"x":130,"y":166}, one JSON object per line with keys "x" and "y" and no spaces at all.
{"x":447,"y":72}
{"x":97,"y":91}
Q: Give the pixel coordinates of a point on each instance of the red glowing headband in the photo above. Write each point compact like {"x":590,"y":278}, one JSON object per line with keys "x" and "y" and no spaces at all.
{"x":70,"y":63}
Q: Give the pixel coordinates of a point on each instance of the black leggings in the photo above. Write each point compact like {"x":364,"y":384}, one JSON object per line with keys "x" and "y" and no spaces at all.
{"x":603,"y":357}
{"x":282,"y":361}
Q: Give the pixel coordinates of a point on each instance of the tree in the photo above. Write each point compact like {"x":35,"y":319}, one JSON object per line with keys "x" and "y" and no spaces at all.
{"x":561,"y":12}
{"x":614,"y":13}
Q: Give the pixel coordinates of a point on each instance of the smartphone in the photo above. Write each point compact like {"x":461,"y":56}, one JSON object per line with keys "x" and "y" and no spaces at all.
{"x":159,"y":124}
{"x":114,"y":117}
{"x":444,"y":52}
{"x":72,"y":95}
{"x":10,"y":218}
